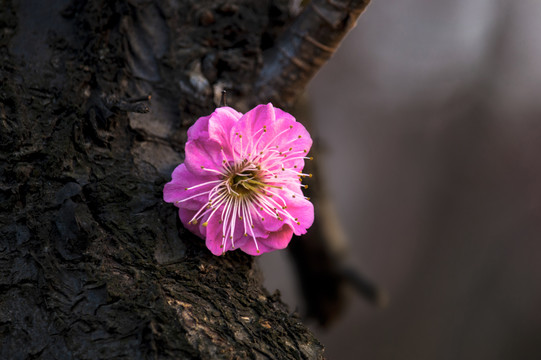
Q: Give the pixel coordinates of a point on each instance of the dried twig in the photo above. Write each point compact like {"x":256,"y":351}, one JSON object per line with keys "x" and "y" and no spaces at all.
{"x":304,"y":47}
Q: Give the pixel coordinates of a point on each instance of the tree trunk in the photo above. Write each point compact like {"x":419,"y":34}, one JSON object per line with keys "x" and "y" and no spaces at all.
{"x":93,"y":264}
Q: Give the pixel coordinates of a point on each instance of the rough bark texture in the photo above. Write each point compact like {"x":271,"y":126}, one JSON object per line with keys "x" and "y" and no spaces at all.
{"x":304,"y":47}
{"x":93,"y":264}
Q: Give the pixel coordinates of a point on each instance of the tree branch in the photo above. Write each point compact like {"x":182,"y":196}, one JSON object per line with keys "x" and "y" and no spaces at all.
{"x":93,"y":263}
{"x":304,"y":47}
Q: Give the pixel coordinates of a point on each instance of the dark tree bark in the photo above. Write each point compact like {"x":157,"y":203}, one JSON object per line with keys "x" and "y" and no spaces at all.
{"x":93,"y":264}
{"x":304,"y":47}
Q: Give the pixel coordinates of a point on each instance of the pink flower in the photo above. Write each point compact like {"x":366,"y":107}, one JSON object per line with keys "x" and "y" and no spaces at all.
{"x":240,"y":184}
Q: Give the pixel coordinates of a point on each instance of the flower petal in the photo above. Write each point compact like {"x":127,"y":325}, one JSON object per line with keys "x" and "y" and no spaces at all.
{"x":248,"y":246}
{"x":203,"y":157}
{"x":276,"y":240}
{"x":264,"y":222}
{"x":175,"y":190}
{"x":252,"y":125}
{"x":200,"y":129}
{"x":279,"y":239}
{"x":302,"y":210}
{"x":214,"y":239}
{"x":272,"y":131}
{"x":221,"y":123}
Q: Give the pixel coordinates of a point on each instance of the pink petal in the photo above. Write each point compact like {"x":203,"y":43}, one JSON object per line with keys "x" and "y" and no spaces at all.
{"x":214,"y":238}
{"x":254,"y":120}
{"x":221,"y":123}
{"x":300,"y":147}
{"x":303,"y":211}
{"x":200,"y":129}
{"x":291,"y":138}
{"x":279,"y":239}
{"x":276,"y":240}
{"x":248,"y":246}
{"x":175,"y":190}
{"x":281,"y":130}
{"x":262,"y":227}
{"x":201,"y":155}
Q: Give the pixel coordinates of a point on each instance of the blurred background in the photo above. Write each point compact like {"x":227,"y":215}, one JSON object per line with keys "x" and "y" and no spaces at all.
{"x":430,"y":119}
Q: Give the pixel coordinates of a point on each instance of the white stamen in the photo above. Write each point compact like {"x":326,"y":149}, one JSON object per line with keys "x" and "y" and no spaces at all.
{"x":254,"y":184}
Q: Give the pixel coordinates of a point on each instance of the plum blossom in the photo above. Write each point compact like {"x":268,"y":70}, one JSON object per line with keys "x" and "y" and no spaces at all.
{"x":240,"y":185}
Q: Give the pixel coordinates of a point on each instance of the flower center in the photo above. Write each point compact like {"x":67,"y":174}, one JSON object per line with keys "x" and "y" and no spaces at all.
{"x":244,"y":183}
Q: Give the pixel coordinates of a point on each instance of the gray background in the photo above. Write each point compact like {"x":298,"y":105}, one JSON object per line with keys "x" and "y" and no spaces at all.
{"x":431,"y":116}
